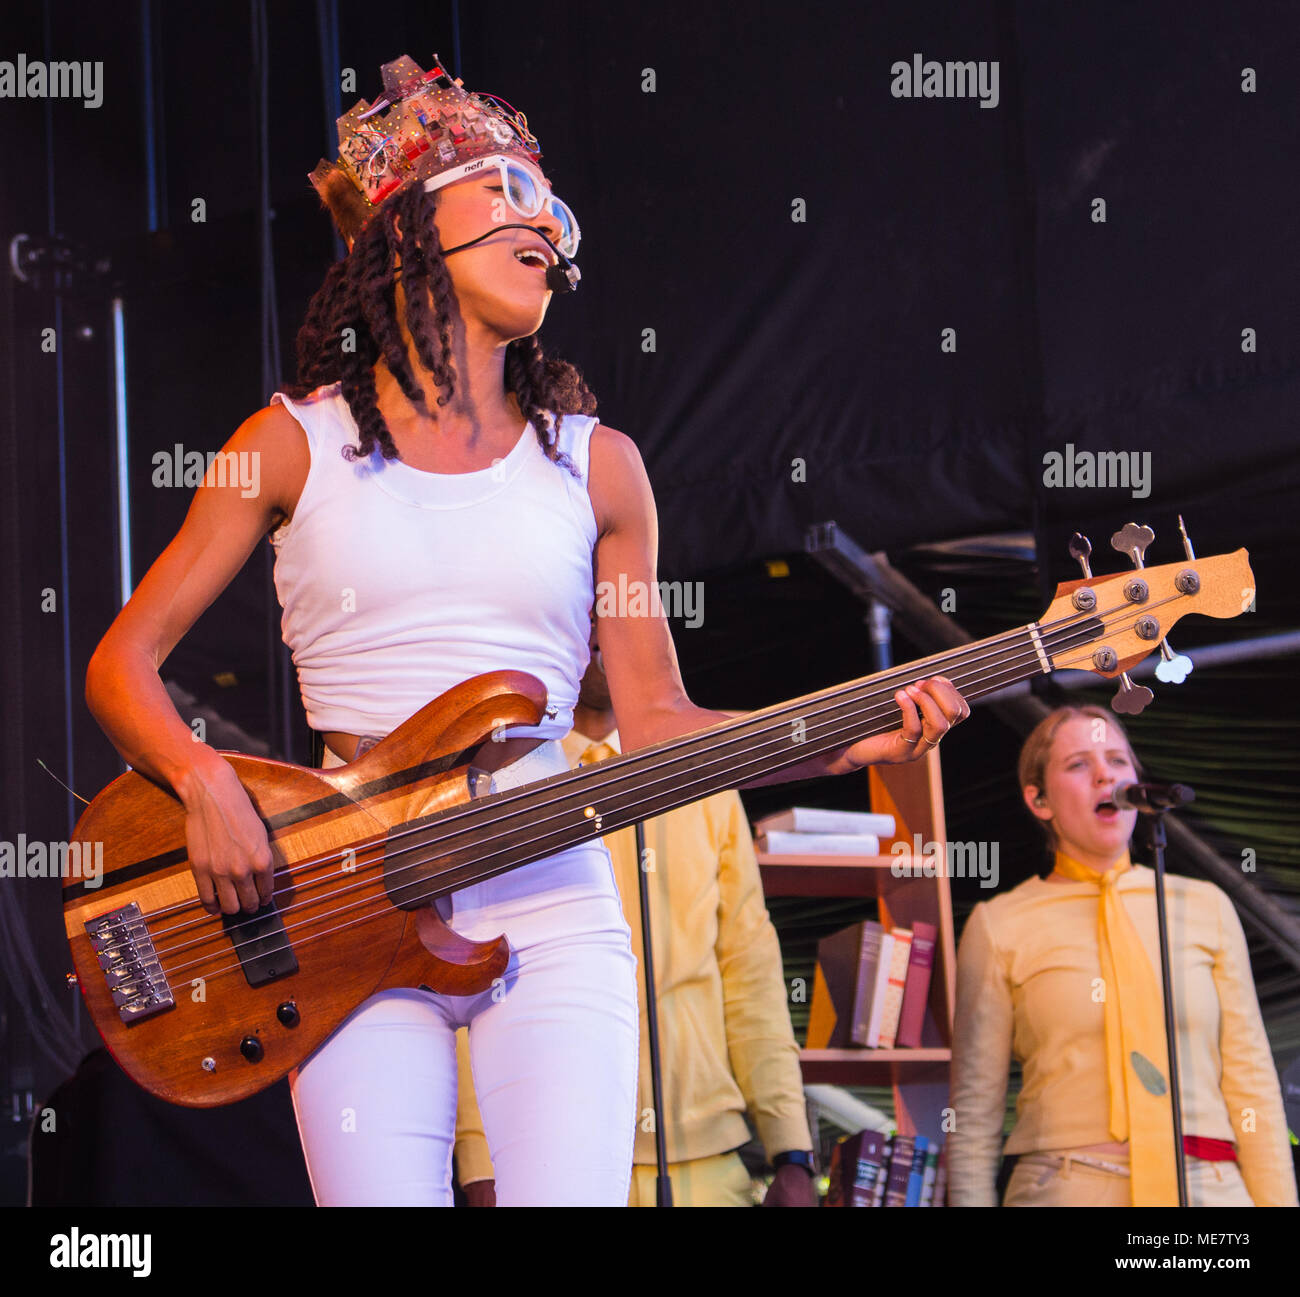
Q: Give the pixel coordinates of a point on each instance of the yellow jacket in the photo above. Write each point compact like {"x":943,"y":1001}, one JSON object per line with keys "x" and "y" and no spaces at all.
{"x":724,"y":1023}
{"x":1027,"y":969}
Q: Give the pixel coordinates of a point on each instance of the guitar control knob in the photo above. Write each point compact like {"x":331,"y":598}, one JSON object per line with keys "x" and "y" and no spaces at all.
{"x":288,"y":1014}
{"x":251,"y":1048}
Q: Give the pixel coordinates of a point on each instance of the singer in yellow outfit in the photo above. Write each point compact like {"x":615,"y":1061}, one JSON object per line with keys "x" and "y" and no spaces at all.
{"x":1064,"y":973}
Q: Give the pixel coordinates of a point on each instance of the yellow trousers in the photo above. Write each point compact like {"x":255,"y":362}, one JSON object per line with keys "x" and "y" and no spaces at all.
{"x":720,"y":1181}
{"x":1055,"y":1179}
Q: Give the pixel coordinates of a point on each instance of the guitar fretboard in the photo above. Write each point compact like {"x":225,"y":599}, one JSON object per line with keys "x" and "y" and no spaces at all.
{"x":502,"y":831}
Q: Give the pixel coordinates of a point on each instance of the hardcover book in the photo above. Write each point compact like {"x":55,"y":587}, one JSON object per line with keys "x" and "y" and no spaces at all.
{"x":893,"y":992}
{"x":917,"y":991}
{"x":811,"y":819}
{"x":941,"y":1179}
{"x":842,"y":984}
{"x":931,"y":1170}
{"x":916,"y":1177}
{"x":866,"y":1029}
{"x":900,"y":1170}
{"x":777,"y":842}
{"x":857,"y":1165}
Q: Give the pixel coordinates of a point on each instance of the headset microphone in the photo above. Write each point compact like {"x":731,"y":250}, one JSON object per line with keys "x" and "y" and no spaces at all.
{"x":560,"y":278}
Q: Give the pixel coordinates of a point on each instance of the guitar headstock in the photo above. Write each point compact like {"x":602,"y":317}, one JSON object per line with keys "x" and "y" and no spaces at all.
{"x":1108,"y":624}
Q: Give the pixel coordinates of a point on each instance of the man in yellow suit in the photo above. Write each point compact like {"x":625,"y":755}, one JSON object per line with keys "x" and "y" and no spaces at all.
{"x":724,"y":1025}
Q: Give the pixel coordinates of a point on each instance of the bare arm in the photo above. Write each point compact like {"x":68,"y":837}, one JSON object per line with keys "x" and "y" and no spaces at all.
{"x":641,"y":663}
{"x":124,"y":692}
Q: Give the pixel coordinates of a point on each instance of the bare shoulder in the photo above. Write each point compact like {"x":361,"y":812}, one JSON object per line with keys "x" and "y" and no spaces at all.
{"x":276,"y":438}
{"x":272,"y":430}
{"x":615,"y":452}
{"x":618,"y":484}
{"x":611,"y":439}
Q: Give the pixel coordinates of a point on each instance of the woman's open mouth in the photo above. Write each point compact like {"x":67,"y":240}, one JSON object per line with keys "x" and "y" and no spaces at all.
{"x":532,"y":258}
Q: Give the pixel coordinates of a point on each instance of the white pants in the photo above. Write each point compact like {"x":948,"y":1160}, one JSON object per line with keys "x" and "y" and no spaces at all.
{"x":553,"y":1047}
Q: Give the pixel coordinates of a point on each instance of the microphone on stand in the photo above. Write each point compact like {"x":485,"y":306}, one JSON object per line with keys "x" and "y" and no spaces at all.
{"x":560,"y":278}
{"x":1152,"y":799}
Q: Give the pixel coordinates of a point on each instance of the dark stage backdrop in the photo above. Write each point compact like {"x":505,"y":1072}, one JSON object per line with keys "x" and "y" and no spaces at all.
{"x":805,"y":298}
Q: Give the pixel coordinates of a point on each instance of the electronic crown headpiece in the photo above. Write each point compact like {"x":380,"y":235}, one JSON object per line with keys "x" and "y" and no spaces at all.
{"x":423,"y":124}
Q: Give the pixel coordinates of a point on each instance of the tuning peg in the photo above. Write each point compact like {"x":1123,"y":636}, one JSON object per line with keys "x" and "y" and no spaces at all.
{"x":1173,"y":668}
{"x":1133,"y":541}
{"x":1130,"y":698}
{"x":1080,"y":549}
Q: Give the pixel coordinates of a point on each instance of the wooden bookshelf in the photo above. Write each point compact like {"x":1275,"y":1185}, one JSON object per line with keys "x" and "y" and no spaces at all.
{"x":907,"y":887}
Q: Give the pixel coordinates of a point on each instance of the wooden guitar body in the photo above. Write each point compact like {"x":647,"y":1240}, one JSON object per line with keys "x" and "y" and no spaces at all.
{"x":221,"y":1038}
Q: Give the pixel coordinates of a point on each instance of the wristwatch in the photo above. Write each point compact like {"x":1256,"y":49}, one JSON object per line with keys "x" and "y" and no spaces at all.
{"x":804,"y":1160}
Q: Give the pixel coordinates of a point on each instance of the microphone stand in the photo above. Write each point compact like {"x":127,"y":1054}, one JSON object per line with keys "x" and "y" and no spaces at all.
{"x":663,"y":1182}
{"x":1158,"y":842}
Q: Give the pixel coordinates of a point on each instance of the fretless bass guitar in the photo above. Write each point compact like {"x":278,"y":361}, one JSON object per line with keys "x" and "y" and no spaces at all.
{"x":203,"y":1009}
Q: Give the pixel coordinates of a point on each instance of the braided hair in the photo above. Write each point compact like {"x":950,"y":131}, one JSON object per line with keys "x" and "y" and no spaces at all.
{"x":351,"y":324}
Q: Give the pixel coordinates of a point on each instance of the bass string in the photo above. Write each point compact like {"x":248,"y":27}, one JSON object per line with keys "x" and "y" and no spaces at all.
{"x":506,"y":805}
{"x":482,"y":838}
{"x":479,"y":829}
{"x":388,"y":910}
{"x":848,"y":725}
{"x":856,"y":717}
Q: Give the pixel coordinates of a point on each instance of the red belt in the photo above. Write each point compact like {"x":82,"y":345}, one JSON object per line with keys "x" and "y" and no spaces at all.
{"x":1209,"y":1150}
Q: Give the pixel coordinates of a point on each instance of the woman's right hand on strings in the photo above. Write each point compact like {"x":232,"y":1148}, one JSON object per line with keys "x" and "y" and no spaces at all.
{"x":229,"y":851}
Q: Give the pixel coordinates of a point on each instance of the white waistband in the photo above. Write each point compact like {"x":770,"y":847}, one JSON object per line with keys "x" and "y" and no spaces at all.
{"x":544,"y":760}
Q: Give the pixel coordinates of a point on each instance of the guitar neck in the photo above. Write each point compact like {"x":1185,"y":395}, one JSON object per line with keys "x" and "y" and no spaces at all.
{"x":502,"y":831}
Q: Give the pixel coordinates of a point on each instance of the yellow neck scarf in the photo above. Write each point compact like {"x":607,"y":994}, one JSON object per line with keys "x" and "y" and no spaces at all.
{"x":1137,"y":1060}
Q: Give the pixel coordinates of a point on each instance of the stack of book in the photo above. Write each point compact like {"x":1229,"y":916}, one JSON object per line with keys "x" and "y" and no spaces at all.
{"x":809,"y":831}
{"x":870,"y":987}
{"x":873,"y":1169}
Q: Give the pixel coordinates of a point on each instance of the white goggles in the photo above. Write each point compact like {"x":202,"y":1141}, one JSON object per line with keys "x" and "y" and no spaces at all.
{"x":523,"y":191}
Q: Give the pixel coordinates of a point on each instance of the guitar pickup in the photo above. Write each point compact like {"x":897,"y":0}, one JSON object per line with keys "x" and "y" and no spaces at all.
{"x":262,"y":944}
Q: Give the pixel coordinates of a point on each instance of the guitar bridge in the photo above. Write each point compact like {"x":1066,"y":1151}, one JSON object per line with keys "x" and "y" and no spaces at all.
{"x":124,"y":948}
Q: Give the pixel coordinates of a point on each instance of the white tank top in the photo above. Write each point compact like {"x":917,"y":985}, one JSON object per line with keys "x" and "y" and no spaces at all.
{"x":397,"y":584}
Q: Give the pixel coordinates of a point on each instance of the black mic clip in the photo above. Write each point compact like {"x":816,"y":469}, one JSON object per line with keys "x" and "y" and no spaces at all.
{"x":563,"y":276}
{"x":1152,"y":799}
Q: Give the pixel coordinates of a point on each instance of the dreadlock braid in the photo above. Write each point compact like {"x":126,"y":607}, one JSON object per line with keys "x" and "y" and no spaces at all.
{"x":430,"y":325}
{"x":358,"y":295}
{"x":543,"y":385}
{"x":374,"y":279}
{"x":321,"y":310}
